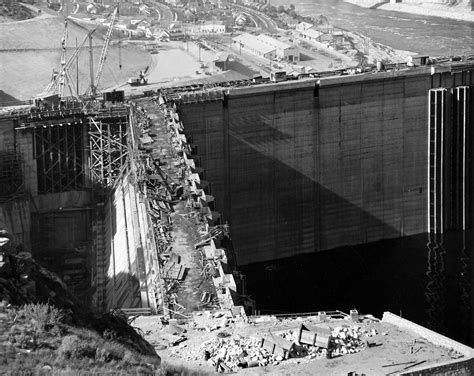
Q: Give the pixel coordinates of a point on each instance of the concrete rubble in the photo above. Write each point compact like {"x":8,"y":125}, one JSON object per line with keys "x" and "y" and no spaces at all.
{"x":228,"y":350}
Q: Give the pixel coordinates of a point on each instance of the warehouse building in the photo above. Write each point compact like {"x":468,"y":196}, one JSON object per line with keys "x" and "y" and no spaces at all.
{"x":267,"y":47}
{"x":251,"y":43}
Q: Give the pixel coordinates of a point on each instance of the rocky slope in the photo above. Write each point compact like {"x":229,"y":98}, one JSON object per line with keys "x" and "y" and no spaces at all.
{"x":44,"y":327}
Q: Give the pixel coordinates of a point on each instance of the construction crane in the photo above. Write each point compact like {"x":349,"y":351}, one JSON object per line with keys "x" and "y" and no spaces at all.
{"x":61,"y":77}
{"x":92,"y":90}
{"x":140,"y":80}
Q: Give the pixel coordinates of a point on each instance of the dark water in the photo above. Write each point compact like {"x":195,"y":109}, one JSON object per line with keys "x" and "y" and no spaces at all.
{"x":428,"y":282}
{"x":428,"y":35}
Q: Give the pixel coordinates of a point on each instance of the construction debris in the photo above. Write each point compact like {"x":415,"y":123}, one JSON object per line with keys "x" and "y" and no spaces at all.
{"x":169,"y":179}
{"x":304,"y":342}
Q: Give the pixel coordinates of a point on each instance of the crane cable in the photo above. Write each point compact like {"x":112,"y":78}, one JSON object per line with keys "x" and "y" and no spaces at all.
{"x":120,"y":51}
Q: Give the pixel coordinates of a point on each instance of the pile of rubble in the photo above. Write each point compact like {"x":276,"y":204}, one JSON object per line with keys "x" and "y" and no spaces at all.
{"x":346,"y":340}
{"x":232,"y":352}
{"x":229,"y":350}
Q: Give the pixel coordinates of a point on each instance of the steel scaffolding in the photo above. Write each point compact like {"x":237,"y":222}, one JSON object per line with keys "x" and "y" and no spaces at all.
{"x":108,"y":149}
{"x":59,"y":157}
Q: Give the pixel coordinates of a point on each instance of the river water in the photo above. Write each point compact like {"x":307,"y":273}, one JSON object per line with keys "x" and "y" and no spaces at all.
{"x":427,"y":35}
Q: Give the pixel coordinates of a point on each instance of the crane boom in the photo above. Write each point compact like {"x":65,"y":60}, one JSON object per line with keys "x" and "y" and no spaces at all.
{"x":61,"y":77}
{"x":103,"y":54}
{"x":56,"y":81}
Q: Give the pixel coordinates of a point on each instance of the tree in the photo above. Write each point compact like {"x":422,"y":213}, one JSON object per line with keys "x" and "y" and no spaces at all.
{"x":281,"y":9}
{"x":322,"y":20}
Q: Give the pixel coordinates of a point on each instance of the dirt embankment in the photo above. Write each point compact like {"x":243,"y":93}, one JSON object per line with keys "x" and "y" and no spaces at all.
{"x":367,"y":3}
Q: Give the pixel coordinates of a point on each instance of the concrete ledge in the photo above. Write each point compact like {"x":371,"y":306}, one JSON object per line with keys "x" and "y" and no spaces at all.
{"x":308,"y":83}
{"x":375,"y":76}
{"x":462,"y":366}
{"x":433,"y":337}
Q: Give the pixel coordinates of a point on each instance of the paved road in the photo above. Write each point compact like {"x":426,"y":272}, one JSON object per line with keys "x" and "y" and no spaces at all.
{"x":263,"y":21}
{"x":166,"y":14}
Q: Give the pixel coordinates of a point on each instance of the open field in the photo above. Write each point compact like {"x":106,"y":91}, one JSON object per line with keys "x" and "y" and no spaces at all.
{"x":45,"y":31}
{"x":25,"y":74}
{"x":31,"y":50}
{"x":173,"y":63}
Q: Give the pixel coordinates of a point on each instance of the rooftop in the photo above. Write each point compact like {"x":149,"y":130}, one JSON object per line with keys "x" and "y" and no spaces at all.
{"x":274,"y":42}
{"x":252,"y":42}
{"x":311,"y":33}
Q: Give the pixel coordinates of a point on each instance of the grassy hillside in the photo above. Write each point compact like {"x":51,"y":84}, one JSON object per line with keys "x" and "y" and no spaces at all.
{"x":43,"y":327}
{"x":38,"y":33}
{"x":25,"y":73}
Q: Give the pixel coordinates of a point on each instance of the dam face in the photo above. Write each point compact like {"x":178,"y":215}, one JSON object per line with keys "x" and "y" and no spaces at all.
{"x":304,"y":166}
{"x":294,"y":167}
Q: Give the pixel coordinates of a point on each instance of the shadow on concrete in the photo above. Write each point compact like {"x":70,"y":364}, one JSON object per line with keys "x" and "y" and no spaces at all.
{"x":237,"y":66}
{"x":61,"y":242}
{"x":430,"y":285}
{"x":304,"y":57}
{"x":277,"y":207}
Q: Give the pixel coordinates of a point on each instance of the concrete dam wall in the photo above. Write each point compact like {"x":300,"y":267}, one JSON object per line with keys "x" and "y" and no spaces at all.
{"x":304,"y":166}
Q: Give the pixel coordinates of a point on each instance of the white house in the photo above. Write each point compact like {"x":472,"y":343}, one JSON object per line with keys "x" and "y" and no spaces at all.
{"x":215,"y":27}
{"x":311,"y":34}
{"x":91,"y":8}
{"x":302,"y":26}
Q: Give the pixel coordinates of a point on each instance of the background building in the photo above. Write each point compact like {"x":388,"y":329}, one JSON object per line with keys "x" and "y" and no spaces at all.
{"x":267,"y":47}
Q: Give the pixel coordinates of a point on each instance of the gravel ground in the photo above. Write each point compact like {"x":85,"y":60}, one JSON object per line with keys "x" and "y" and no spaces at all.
{"x":393,"y":346}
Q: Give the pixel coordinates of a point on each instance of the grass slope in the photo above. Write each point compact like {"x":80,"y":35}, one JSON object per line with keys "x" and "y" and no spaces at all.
{"x":46,"y":330}
{"x":42,"y":324}
{"x":39,"y":33}
{"x":24,"y":74}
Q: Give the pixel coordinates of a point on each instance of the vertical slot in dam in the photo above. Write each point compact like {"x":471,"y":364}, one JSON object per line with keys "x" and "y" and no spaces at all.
{"x":343,"y":165}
